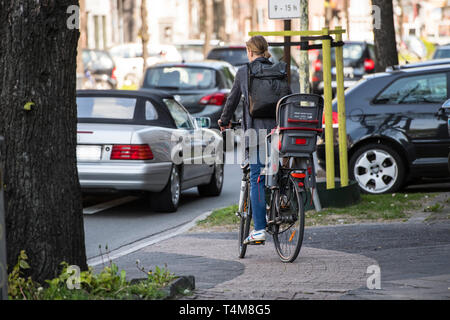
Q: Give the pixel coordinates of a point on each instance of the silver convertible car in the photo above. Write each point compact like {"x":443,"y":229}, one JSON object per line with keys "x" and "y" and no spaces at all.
{"x":146,"y":141}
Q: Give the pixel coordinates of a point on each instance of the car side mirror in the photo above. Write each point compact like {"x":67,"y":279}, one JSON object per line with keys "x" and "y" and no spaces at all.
{"x":446,"y":105}
{"x":444,"y":109}
{"x":203,"y":122}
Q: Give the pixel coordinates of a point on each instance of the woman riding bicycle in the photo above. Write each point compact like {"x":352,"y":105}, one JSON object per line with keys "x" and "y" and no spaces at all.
{"x":258,"y":55}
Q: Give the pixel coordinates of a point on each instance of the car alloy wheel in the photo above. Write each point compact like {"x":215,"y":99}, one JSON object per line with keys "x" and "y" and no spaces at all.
{"x":376,"y":171}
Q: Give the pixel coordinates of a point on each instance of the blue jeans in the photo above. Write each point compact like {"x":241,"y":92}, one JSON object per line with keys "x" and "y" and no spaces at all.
{"x":257,"y":194}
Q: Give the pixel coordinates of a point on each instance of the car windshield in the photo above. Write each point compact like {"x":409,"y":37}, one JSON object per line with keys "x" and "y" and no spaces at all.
{"x":352,"y":51}
{"x":235,"y":57}
{"x":180,"y":78}
{"x":106,"y":108}
{"x":442,"y":54}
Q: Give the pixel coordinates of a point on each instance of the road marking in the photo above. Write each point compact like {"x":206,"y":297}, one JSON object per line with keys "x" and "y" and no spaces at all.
{"x":140,"y":244}
{"x":108,"y":205}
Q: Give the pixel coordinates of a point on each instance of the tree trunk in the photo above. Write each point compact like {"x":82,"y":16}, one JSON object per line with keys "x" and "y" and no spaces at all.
{"x":209,"y":16}
{"x":384,"y":34}
{"x":144,"y":33}
{"x":305,"y":84}
{"x":42,"y":193}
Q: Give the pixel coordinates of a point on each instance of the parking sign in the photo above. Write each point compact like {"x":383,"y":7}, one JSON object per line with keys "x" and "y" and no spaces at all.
{"x":284,"y":9}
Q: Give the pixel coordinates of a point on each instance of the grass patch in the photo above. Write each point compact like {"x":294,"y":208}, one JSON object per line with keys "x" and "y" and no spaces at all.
{"x":372,"y":208}
{"x":221,"y":217}
{"x":382,"y":207}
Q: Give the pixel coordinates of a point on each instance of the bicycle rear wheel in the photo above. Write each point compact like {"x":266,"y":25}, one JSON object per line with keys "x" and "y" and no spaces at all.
{"x":289,"y":217}
{"x":244,"y":225}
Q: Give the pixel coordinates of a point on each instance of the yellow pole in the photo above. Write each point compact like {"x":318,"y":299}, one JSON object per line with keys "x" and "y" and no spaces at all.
{"x":343,"y":155}
{"x":328,"y":97}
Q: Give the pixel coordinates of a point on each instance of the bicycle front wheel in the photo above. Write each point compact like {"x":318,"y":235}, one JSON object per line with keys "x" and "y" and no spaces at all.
{"x":244,"y":225}
{"x":289,"y":214}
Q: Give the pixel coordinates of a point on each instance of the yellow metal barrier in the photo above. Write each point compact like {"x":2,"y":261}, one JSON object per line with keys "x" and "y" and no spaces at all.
{"x":328,"y":97}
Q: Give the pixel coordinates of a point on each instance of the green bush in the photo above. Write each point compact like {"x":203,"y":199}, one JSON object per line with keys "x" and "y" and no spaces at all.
{"x":108,"y":284}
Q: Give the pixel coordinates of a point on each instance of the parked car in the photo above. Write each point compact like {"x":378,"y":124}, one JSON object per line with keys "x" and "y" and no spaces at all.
{"x":237,"y":56}
{"x":192,"y":50}
{"x":396,"y":128}
{"x":141,"y":141}
{"x":359,"y":60}
{"x":100,"y":69}
{"x":202,"y":87}
{"x":130,"y":64}
{"x":442,"y":52}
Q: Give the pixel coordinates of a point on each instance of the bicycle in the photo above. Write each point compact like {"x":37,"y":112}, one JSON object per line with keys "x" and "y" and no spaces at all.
{"x":289,"y":180}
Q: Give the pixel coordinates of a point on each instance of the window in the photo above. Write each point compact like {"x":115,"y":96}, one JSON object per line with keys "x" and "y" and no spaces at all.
{"x":179,"y":115}
{"x":150,"y":111}
{"x":181,"y":78}
{"x":430,"y":88}
{"x":106,"y":108}
{"x":229,"y":78}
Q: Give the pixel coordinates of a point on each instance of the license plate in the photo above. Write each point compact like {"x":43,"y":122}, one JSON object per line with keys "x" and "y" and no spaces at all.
{"x":89,"y":153}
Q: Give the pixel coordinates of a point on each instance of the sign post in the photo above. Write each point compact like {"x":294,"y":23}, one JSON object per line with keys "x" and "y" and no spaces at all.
{"x":3,"y":265}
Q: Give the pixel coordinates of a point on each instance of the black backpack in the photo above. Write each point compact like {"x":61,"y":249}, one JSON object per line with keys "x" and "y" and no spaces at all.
{"x":267,"y":84}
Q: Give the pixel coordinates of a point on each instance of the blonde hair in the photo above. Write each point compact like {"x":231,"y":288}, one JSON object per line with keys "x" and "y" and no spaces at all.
{"x":259,"y":46}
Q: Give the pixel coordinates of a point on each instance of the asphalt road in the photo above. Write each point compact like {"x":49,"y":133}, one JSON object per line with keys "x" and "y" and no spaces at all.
{"x":133,"y":221}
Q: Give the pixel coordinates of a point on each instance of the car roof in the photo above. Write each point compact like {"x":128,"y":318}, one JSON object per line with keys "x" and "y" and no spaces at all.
{"x":143,"y":93}
{"x":215,"y":64}
{"x":429,"y":63}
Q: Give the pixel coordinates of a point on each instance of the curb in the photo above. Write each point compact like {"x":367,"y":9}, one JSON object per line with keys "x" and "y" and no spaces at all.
{"x":179,"y":285}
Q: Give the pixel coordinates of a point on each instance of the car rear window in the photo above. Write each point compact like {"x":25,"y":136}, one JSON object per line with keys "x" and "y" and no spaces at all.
{"x":180,"y":78}
{"x":106,"y":108}
{"x":232,"y":56}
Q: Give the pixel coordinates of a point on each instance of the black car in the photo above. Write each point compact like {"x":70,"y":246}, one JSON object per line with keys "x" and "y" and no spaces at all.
{"x":101,"y":68}
{"x":201,"y":87}
{"x":359,"y":60}
{"x":237,"y":56}
{"x":396,"y":128}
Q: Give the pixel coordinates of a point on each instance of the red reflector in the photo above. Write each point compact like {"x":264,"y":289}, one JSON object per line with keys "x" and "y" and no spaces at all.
{"x":300,"y":141}
{"x":298,"y":175}
{"x":301,"y":184}
{"x":216,"y":99}
{"x":131,"y":152}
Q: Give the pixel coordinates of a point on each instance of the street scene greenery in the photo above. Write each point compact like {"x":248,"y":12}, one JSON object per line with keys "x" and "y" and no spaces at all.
{"x":109,"y":284}
{"x":371,"y":208}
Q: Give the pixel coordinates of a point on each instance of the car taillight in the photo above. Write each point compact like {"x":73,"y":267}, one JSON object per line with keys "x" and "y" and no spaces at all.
{"x":369,"y":65}
{"x":113,"y":73}
{"x":216,"y":99}
{"x":317,"y":65}
{"x":131,"y":152}
{"x":335,"y":118}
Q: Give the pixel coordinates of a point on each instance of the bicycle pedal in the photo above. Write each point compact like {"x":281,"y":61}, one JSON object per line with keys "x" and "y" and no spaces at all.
{"x":257,"y":243}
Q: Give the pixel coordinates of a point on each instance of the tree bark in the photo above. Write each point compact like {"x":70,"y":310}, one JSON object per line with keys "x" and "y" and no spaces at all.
{"x":384,"y":34}
{"x":209,"y":16}
{"x":305,"y":84}
{"x":144,"y":33}
{"x":42,"y":193}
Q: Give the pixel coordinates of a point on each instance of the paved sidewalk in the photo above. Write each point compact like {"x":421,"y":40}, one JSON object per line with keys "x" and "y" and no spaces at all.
{"x":414,"y":259}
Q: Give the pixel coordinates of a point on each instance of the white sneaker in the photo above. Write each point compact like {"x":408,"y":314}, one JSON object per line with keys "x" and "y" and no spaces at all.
{"x":256,"y":237}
